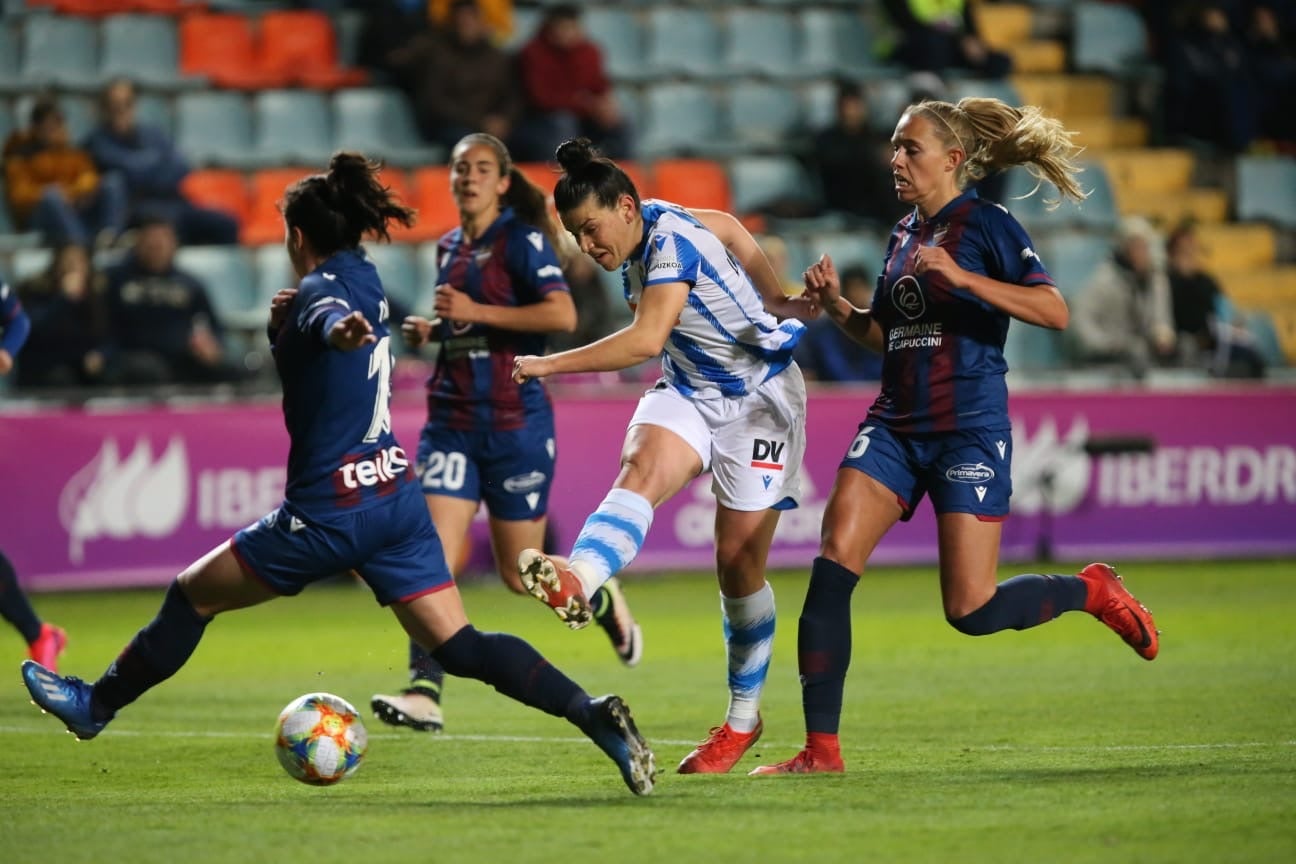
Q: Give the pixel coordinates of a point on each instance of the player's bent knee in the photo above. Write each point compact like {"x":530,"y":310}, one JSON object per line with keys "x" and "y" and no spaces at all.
{"x":980,"y":622}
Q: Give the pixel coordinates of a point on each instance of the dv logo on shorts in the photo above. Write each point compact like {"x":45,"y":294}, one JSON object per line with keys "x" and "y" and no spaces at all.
{"x":969,"y":473}
{"x":767,"y":454}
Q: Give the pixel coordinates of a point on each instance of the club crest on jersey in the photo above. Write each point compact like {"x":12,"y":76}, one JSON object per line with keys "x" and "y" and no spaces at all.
{"x":970,"y":473}
{"x":907,"y":297}
{"x":767,"y":454}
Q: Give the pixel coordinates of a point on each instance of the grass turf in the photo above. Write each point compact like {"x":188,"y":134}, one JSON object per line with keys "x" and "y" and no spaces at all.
{"x":1057,"y":745}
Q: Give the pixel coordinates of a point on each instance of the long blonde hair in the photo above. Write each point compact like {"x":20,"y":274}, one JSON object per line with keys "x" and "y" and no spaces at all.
{"x":994,"y":135}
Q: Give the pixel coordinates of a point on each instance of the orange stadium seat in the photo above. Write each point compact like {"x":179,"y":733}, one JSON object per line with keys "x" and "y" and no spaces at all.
{"x":222,"y":48}
{"x":300,"y":47}
{"x":222,"y":189}
{"x":541,"y":174}
{"x":697,"y":183}
{"x":264,"y":224}
{"x":437,"y":211}
{"x":401,"y":186}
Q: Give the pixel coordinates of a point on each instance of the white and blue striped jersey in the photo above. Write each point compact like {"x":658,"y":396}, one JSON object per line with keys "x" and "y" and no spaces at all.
{"x":724,"y":343}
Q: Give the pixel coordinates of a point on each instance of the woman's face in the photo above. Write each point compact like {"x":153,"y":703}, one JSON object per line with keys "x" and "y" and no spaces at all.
{"x":921,"y":166}
{"x":475,"y":180}
{"x":606,"y":234}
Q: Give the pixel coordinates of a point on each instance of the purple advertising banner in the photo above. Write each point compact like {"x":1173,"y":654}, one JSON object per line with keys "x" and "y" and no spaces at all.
{"x":116,"y":498}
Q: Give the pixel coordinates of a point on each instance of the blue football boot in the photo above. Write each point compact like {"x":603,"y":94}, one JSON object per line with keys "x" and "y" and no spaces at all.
{"x":612,"y":728}
{"x":66,"y":698}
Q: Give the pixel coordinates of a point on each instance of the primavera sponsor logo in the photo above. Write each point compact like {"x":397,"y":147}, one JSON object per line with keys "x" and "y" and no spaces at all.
{"x":969,"y":473}
{"x":524,"y":482}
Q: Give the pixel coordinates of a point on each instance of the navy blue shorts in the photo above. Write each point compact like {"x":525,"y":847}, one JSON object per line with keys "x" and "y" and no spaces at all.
{"x":966,"y":471}
{"x":393,"y":547}
{"x":510,"y":470}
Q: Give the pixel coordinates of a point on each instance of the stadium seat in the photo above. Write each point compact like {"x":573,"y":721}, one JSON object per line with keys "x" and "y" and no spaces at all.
{"x":526,"y":19}
{"x":154,"y":110}
{"x":847,"y":249}
{"x":293,"y":127}
{"x":379,"y":123}
{"x":887,"y":97}
{"x":836,"y":42}
{"x":299,"y":47}
{"x":10,"y":73}
{"x":819,"y":103}
{"x":26,"y":263}
{"x":762,"y":116}
{"x":642,"y":178}
{"x":398,"y":271}
{"x":143,"y":48}
{"x":274,"y":272}
{"x":437,"y":210}
{"x":761,"y":181}
{"x":1034,"y":349}
{"x":227,"y":275}
{"x":620,"y":37}
{"x":681,"y":118}
{"x":1071,"y":257}
{"x":222,"y":189}
{"x":400,"y":184}
{"x":698,"y":183}
{"x":762,"y":42}
{"x":264,"y":223}
{"x":682,"y":42}
{"x":222,"y":48}
{"x":963,"y":88}
{"x":1097,"y":212}
{"x":58,"y":51}
{"x":1107,"y":37}
{"x":215,"y":128}
{"x":1266,"y":189}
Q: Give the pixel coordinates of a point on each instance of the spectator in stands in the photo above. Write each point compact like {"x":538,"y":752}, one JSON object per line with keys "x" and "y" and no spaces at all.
{"x":161,"y":318}
{"x":1209,"y":87}
{"x":1205,"y":338}
{"x":1124,"y":314}
{"x":461,"y":82}
{"x":1273,"y":61}
{"x":152,"y":169}
{"x":941,"y":36}
{"x":390,"y":36}
{"x":52,"y":186}
{"x":567,"y":92}
{"x":864,"y":190}
{"x":68,"y":345}
{"x":497,"y":16}
{"x":826,"y":353}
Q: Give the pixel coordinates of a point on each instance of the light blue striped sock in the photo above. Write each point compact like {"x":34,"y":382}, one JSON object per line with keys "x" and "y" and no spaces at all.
{"x":749,"y":638}
{"x":611,"y":538}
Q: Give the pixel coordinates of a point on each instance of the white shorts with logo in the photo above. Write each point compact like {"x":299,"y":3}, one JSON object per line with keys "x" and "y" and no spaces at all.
{"x":752,"y":445}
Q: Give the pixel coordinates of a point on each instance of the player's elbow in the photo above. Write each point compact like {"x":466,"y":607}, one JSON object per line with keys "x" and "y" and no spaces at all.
{"x":566,"y":322}
{"x":1055,"y":315}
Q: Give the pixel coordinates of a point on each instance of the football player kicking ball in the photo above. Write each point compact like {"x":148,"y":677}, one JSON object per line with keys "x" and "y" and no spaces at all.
{"x":351,"y":501}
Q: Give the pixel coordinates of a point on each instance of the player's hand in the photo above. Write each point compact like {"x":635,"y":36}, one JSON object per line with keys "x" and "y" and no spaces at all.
{"x":822,"y":284}
{"x":6,"y":362}
{"x":351,"y":332}
{"x":279,"y":304}
{"x":454,"y":304}
{"x":934,"y":259}
{"x":416,"y":331}
{"x":529,"y":366}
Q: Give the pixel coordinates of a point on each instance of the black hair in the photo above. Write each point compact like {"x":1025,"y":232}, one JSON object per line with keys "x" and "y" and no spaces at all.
{"x":529,"y":201}
{"x":334,"y":210}
{"x":586,"y":172}
{"x":561,"y":12}
{"x":44,"y":107}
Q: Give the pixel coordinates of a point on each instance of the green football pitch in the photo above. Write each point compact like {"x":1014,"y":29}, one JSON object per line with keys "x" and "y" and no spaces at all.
{"x":1054,"y":745}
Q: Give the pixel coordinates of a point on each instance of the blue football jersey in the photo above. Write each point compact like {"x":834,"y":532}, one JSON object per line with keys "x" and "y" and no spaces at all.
{"x":337,"y":403}
{"x":510,"y":264}
{"x":942,"y":356}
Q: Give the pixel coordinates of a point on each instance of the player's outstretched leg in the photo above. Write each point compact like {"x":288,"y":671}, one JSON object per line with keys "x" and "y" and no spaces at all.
{"x":68,"y":699}
{"x":516,"y":669}
{"x":1111,"y":602}
{"x":47,"y":647}
{"x":45,"y":642}
{"x":556,"y":587}
{"x":418,"y":706}
{"x":612,"y":613}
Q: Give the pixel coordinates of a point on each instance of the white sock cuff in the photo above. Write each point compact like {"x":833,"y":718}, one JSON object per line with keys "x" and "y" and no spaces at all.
{"x":632,"y":501}
{"x":753,"y":607}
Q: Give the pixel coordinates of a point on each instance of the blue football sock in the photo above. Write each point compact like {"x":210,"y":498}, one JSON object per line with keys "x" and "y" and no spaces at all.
{"x":1022,"y":602}
{"x":14,"y":606}
{"x":514,"y":668}
{"x":824,"y":644}
{"x":749,"y":639}
{"x":156,"y":653}
{"x":610,"y":538}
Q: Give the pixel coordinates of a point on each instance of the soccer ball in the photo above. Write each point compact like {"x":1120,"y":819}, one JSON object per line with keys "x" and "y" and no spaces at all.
{"x":319,"y":739}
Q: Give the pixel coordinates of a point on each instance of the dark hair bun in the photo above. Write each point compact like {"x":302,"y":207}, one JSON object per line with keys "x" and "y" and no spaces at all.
{"x":575,"y":154}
